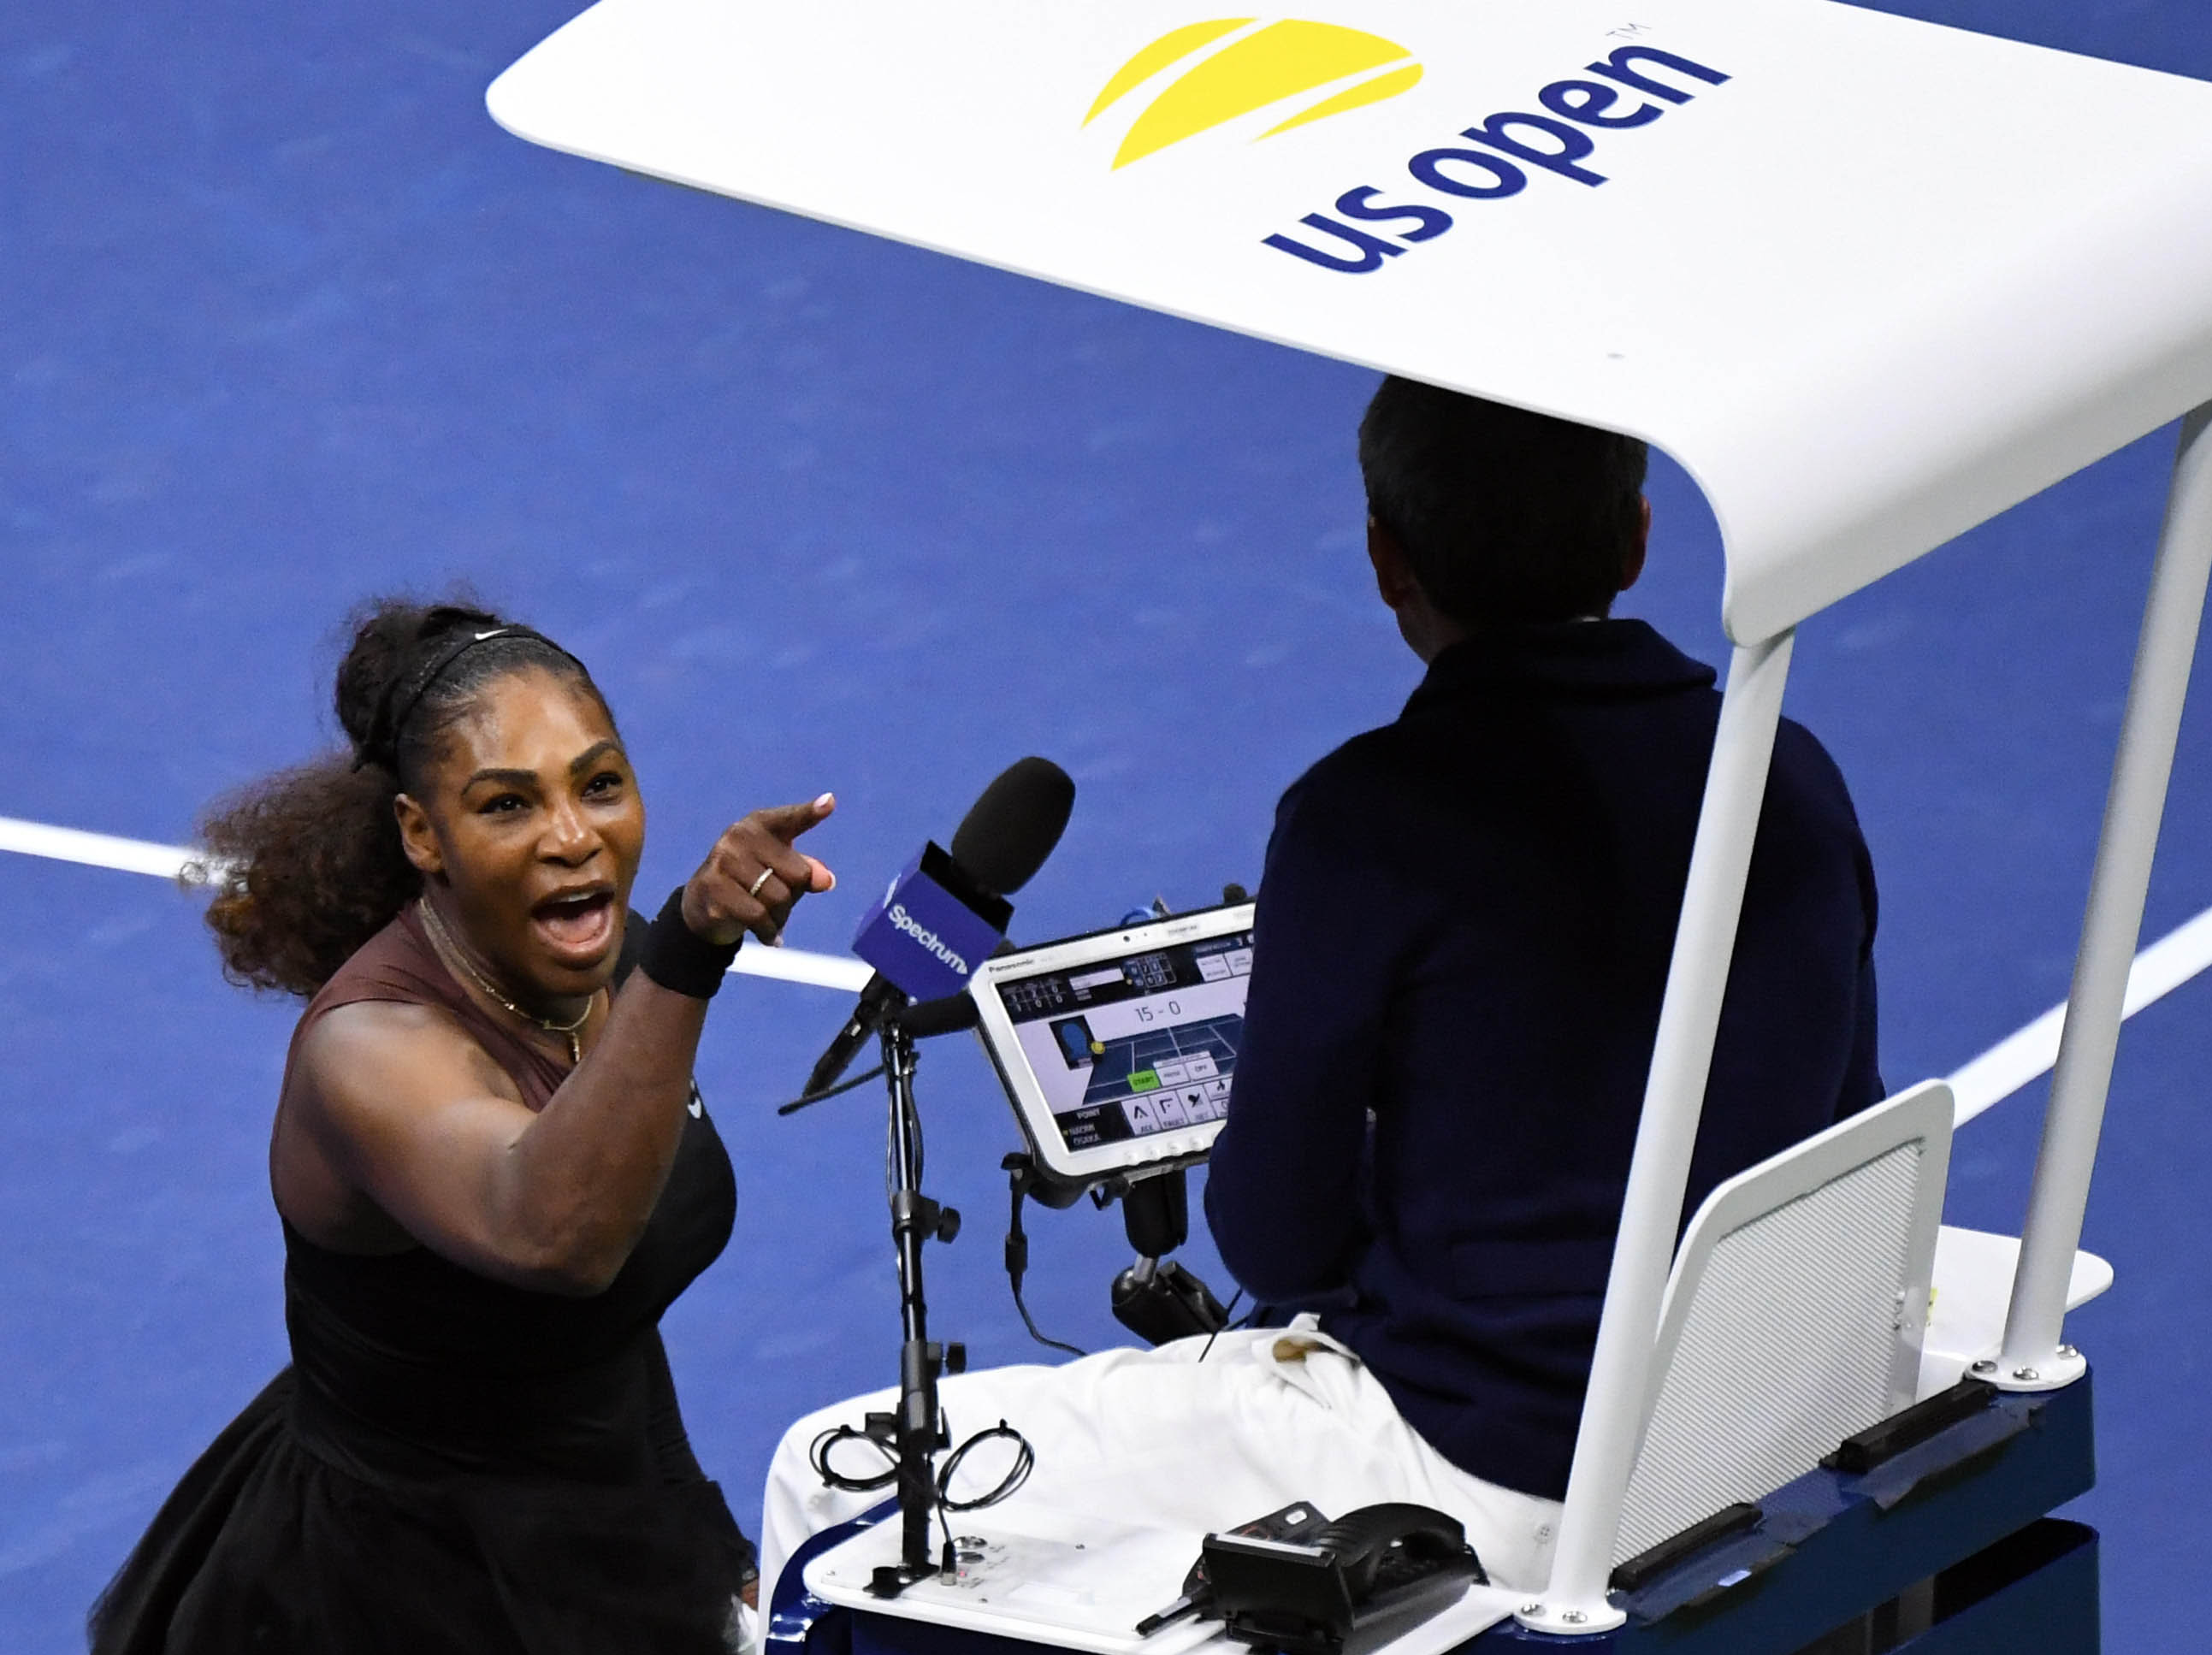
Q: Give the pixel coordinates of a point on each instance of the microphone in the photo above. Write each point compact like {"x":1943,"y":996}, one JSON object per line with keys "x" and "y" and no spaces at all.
{"x":945,"y":911}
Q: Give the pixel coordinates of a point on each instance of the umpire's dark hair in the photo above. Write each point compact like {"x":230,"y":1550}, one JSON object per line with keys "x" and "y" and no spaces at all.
{"x":307,"y":864}
{"x":1505,"y":516}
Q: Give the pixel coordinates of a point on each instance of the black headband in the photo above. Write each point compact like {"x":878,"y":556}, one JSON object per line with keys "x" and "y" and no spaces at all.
{"x":395,"y":707}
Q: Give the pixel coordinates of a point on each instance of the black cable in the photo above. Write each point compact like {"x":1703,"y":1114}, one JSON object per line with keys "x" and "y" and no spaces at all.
{"x":1228,"y":1320}
{"x":1017,"y":1474}
{"x":817,"y":1456}
{"x":816,"y":1097}
{"x":1043,"y":1339}
{"x":1018,"y":1265}
{"x":818,"y":1453}
{"x":948,"y":1560}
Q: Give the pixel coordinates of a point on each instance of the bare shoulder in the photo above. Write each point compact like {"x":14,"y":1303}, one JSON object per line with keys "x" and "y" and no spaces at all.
{"x":372,"y":1086}
{"x":378,"y":1056}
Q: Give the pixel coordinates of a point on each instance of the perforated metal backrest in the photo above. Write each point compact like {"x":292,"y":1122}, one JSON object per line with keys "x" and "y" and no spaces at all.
{"x":1794,"y":1315}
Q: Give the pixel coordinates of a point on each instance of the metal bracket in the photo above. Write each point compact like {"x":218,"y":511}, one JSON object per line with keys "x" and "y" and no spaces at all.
{"x":2061,"y":1368}
{"x":1581,"y":1622}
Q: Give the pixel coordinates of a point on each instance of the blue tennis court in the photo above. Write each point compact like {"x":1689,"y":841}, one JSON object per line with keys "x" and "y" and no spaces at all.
{"x":287,"y":322}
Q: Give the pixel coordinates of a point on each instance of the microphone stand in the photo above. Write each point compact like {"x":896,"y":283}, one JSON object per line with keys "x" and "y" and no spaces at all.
{"x":919,"y":1431}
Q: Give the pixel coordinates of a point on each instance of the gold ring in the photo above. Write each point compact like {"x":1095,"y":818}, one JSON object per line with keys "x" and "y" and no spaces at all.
{"x":753,"y":890}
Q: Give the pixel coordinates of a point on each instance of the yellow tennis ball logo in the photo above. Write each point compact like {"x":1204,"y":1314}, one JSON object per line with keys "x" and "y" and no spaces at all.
{"x":1265,"y":66}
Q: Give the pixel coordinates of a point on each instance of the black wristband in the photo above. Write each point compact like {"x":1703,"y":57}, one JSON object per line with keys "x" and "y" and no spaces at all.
{"x":678,"y":958}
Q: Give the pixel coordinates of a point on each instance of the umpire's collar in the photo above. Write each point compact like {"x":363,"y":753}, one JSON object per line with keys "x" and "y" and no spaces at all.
{"x":1606,"y":657}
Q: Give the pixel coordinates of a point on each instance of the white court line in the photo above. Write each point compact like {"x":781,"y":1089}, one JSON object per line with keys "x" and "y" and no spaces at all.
{"x":130,"y":856}
{"x":798,"y":966}
{"x":1990,"y":1079}
{"x":138,"y":856}
{"x":2014,"y":1061}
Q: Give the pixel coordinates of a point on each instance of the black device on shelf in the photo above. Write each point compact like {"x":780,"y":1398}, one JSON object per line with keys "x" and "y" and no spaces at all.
{"x":1379,"y":1569}
{"x":1295,"y":1521}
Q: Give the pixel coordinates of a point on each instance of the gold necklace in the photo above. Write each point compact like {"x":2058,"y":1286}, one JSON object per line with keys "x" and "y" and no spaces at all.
{"x":450,"y":952}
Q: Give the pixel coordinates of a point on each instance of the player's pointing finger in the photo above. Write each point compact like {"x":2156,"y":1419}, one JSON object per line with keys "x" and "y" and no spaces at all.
{"x":788,"y":821}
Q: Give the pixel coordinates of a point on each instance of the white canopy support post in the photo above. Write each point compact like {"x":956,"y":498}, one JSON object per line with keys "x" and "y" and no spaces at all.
{"x":2033,"y":1358}
{"x":1674,"y":1099}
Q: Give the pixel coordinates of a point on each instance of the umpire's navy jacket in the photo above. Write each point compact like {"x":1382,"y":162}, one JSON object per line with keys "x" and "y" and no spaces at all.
{"x":1464,"y":928}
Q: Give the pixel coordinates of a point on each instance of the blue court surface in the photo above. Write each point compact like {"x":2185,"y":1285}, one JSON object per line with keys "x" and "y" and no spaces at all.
{"x":285,"y":321}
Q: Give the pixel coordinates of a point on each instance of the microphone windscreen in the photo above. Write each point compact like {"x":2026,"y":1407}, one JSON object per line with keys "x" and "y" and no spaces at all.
{"x":1009,"y":832}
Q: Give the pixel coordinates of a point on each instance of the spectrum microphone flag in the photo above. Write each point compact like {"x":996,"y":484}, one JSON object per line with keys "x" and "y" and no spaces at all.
{"x":933,"y":927}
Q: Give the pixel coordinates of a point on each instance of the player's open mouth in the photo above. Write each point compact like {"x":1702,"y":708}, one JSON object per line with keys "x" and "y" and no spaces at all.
{"x":577,"y":924}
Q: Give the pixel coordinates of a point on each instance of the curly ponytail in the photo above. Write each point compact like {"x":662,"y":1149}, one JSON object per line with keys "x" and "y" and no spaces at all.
{"x":307,"y":864}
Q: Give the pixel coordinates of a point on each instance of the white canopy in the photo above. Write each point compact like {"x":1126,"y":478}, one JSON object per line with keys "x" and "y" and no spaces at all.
{"x":1871,"y":281}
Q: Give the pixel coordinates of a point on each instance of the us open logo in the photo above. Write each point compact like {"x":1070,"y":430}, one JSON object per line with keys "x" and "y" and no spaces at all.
{"x":1244,"y":66}
{"x":1236,"y":67}
{"x":1500,"y":156}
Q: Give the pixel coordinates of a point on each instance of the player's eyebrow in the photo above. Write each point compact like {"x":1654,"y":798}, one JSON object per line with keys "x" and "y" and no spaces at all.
{"x":591,"y":754}
{"x":511,"y":778}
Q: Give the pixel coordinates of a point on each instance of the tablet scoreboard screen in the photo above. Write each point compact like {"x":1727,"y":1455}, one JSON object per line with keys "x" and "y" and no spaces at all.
{"x":1119,"y":1049}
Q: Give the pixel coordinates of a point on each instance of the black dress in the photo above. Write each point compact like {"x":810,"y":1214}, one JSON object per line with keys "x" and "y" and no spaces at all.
{"x":451,"y":1463}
